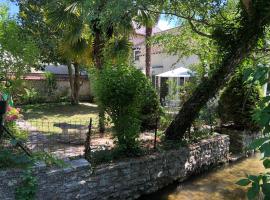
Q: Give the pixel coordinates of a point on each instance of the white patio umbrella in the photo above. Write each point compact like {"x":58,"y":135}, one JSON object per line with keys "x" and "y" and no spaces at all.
{"x":179,"y":72}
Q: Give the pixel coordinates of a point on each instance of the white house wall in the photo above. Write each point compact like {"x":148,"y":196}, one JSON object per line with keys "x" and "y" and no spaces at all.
{"x":163,"y":62}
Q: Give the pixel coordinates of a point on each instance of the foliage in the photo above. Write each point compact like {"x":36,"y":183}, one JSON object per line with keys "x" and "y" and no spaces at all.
{"x":260,"y":183}
{"x":151,"y":109}
{"x":49,"y":159}
{"x":120,"y":89}
{"x":238,"y":100}
{"x":118,"y":50}
{"x":51,"y":82}
{"x":27,"y":188}
{"x":13,"y":159}
{"x":29,"y":96}
{"x":18,"y":52}
{"x":208,"y":115}
{"x":165,"y":120}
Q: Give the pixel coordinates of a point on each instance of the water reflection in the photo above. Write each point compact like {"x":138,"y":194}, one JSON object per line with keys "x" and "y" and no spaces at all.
{"x":216,"y":185}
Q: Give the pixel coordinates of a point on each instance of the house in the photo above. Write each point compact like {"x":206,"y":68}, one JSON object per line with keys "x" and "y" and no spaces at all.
{"x":164,"y":67}
{"x":160,"y":60}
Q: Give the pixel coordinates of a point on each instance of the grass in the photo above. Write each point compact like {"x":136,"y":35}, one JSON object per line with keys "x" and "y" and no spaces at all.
{"x":60,"y":112}
{"x":48,"y":117}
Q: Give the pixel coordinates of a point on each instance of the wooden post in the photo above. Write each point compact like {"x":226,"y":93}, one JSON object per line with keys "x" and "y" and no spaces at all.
{"x":87,"y":146}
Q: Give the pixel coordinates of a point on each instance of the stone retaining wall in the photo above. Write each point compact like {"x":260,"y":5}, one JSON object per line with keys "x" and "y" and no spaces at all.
{"x":122,"y":180}
{"x":240,"y":140}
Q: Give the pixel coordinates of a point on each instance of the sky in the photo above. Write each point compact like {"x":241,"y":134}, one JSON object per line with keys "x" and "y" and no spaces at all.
{"x":163,"y":23}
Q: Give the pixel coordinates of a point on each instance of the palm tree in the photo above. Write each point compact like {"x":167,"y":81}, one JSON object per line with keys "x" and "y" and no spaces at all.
{"x":75,"y":46}
{"x":148,"y":20}
{"x":74,"y":16}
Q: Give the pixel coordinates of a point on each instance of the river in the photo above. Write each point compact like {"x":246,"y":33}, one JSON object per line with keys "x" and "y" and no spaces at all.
{"x":219,"y":184}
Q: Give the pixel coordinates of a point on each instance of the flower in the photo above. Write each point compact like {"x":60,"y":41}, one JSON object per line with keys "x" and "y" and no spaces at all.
{"x":12,"y":114}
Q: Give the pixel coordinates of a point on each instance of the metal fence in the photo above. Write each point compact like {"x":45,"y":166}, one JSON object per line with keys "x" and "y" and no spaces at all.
{"x":63,"y":139}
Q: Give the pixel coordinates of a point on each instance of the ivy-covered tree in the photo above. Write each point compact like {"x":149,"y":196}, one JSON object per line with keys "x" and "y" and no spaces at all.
{"x":239,"y":99}
{"x":237,"y":29}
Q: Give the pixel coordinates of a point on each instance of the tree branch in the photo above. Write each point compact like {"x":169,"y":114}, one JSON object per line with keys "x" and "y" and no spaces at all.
{"x":197,"y":31}
{"x":205,"y":22}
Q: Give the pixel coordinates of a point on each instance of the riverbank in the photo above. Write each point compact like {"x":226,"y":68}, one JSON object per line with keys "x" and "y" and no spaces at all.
{"x":122,"y":180}
{"x":216,"y":184}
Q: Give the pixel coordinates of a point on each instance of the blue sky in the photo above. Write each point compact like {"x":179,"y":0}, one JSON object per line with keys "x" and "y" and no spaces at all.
{"x":13,"y":8}
{"x":163,"y":23}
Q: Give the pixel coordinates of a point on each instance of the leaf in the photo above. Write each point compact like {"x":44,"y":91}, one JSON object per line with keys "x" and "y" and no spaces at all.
{"x":265,"y":148}
{"x":254,"y":178}
{"x":253,"y":191}
{"x":243,"y":182}
{"x":258,"y":143}
{"x":266,"y":163}
{"x":266,"y":189}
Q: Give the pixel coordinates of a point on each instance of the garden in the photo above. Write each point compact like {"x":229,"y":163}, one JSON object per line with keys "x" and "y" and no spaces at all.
{"x":122,"y":142}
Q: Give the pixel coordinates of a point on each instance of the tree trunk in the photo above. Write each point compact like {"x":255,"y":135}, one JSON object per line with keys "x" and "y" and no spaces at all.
{"x":98,"y":47}
{"x":76,"y":84}
{"x":148,"y":47}
{"x":71,"y":82}
{"x":98,"y":58}
{"x":248,"y":37}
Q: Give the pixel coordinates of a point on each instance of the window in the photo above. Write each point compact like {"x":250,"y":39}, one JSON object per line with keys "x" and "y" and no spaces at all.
{"x":137,"y":53}
{"x":181,"y":81}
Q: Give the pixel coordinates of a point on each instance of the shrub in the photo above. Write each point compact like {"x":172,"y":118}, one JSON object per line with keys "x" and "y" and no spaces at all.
{"x":30,"y":95}
{"x":120,"y":90}
{"x":237,"y":102}
{"x":51,"y":82}
{"x":151,"y":109}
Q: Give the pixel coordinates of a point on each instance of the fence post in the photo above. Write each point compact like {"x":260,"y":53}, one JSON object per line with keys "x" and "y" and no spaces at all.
{"x":87,"y":146}
{"x":156,"y":127}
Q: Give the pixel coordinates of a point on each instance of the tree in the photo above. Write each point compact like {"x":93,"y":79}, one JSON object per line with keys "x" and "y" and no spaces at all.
{"x":239,"y":99}
{"x":236,"y":36}
{"x":18,"y":52}
{"x":148,"y":20}
{"x":57,"y":45}
{"x":104,"y":20}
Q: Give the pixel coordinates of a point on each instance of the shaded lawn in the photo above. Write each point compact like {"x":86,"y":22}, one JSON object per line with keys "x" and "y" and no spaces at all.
{"x":47,"y":117}
{"x":63,"y":112}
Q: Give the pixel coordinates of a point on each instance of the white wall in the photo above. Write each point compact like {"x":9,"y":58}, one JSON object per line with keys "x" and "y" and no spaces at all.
{"x":163,"y":62}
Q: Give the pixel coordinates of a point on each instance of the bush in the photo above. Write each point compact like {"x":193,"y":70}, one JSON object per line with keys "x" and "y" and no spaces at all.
{"x":237,"y":102}
{"x":51,"y":82}
{"x":120,"y":90}
{"x":151,"y":109}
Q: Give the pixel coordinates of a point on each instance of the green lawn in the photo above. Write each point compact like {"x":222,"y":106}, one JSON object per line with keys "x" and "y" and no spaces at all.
{"x":45,"y":117}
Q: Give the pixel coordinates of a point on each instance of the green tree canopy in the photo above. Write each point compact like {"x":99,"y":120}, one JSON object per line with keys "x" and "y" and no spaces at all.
{"x":18,"y":52}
